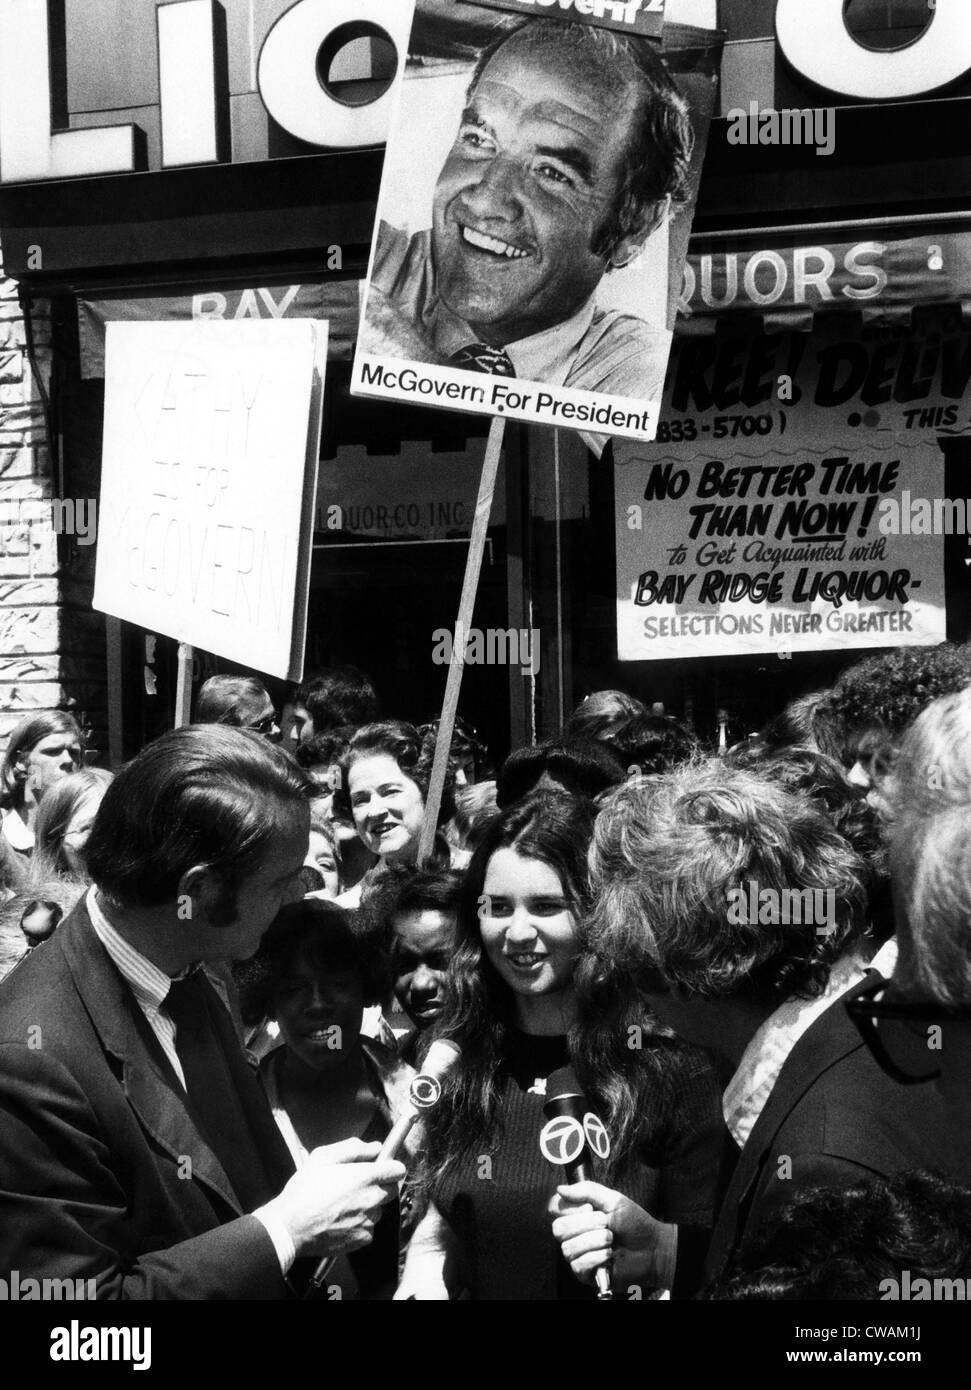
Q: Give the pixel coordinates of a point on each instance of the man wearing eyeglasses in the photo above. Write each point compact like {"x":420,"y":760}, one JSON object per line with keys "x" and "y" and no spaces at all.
{"x":242,"y":702}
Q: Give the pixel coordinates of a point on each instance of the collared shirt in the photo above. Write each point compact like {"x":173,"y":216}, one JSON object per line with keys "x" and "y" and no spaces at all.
{"x":885,"y":960}
{"x":766,"y":1054}
{"x":150,"y":986}
{"x":594,"y":350}
{"x":19,"y":836}
{"x":147,"y":982}
{"x":546,"y":356}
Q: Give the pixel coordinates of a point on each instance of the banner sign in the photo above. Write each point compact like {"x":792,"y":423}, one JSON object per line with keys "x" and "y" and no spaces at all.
{"x":871,"y":384}
{"x":831,"y":275}
{"x":523,"y":264}
{"x":798,"y":549}
{"x":337,"y":301}
{"x":211,"y":440}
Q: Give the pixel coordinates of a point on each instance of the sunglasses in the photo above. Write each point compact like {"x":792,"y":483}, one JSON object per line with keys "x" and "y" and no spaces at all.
{"x":264,"y":725}
{"x":905,"y":1037}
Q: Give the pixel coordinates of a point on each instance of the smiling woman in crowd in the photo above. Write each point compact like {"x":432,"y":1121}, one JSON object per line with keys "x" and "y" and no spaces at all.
{"x":384,"y":782}
{"x":513,"y":1009}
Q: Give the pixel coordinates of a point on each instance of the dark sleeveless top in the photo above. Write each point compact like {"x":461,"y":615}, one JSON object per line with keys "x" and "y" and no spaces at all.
{"x":496,"y":1202}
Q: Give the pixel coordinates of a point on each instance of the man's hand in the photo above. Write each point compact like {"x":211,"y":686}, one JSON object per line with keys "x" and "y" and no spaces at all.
{"x":594,"y":1225}
{"x":387,"y":332}
{"x":332,"y":1203}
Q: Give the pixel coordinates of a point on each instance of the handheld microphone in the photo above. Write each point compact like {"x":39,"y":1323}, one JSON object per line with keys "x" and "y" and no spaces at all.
{"x":423,"y":1093}
{"x":572,"y":1132}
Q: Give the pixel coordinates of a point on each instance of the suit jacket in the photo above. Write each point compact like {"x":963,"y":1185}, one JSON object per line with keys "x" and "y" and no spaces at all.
{"x":103,"y":1173}
{"x":832,"y":1118}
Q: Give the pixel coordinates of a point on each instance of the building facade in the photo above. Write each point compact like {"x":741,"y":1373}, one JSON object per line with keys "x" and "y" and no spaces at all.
{"x":808,"y":238}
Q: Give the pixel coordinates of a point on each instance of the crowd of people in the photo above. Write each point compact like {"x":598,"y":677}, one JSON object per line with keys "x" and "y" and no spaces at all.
{"x":226,"y":965}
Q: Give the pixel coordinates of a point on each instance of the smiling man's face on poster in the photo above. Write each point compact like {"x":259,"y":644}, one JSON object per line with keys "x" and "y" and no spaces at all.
{"x":523,"y":229}
{"x":525,"y":191}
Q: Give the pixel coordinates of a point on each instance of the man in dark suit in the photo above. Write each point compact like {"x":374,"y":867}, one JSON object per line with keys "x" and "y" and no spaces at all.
{"x":740,"y":907}
{"x":831,"y":1119}
{"x":136,"y":1147}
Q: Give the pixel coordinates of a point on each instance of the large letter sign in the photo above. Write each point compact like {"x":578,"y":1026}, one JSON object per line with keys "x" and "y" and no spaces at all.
{"x":28,"y":147}
{"x":287,"y":78}
{"x":815,"y":39}
{"x":288,"y":81}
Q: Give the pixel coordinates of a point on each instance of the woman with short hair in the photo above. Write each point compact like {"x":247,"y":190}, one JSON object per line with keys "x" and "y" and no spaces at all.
{"x":385,"y":774}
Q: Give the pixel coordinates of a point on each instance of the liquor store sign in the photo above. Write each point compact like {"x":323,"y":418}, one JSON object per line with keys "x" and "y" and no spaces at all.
{"x":190,"y":93}
{"x":191,"y":56}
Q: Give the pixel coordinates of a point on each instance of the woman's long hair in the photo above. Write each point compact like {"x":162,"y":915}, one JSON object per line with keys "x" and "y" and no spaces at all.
{"x":616,"y":1050}
{"x":55,"y":813}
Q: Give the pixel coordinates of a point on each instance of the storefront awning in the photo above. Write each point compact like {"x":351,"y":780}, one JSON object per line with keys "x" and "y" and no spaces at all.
{"x":338,"y":301}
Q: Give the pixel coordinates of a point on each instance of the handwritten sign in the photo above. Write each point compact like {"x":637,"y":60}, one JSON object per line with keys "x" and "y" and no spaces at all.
{"x":211,"y":440}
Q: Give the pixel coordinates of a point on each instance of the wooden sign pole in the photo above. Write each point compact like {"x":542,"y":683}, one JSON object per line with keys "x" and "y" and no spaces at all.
{"x":183,"y":686}
{"x":470,"y":584}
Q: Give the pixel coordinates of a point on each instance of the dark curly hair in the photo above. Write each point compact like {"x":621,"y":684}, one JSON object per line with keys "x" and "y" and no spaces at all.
{"x":651,"y":743}
{"x":582,"y":766}
{"x":824,"y":781}
{"x":325,"y":748}
{"x":887,"y":693}
{"x":342,"y":695}
{"x":855,"y":1242}
{"x":328,"y":935}
{"x":673,"y":855}
{"x":413,"y":752}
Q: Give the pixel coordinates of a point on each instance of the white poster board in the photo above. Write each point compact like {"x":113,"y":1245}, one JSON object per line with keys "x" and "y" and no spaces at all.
{"x":209,"y":472}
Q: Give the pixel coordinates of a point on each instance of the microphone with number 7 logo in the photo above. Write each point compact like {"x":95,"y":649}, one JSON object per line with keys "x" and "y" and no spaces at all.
{"x":572,"y":1136}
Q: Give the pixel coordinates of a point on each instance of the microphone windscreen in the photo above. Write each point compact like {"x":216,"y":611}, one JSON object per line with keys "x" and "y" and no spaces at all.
{"x":442,"y":1056}
{"x":563,"y":1083}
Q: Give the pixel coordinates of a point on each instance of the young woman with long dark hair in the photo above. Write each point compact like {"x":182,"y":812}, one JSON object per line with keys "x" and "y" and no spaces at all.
{"x":514,"y":1010}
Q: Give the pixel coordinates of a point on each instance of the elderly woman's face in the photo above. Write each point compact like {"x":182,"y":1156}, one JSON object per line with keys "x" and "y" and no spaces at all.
{"x":387,"y":805}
